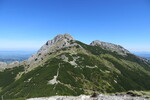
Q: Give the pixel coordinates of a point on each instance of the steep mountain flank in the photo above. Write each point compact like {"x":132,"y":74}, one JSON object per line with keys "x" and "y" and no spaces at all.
{"x":64,"y":66}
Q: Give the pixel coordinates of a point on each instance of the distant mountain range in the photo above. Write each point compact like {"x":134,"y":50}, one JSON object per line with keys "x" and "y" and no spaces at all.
{"x":65,"y":66}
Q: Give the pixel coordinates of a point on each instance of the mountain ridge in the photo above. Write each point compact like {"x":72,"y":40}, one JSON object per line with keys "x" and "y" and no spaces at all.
{"x":65,"y":38}
{"x":65,"y":66}
{"x":109,"y":46}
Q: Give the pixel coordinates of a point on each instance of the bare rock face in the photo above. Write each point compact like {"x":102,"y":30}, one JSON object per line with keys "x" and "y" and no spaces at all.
{"x":15,"y":62}
{"x":109,"y":46}
{"x":85,"y":97}
{"x":147,"y":61}
{"x":2,"y":65}
{"x":59,"y":42}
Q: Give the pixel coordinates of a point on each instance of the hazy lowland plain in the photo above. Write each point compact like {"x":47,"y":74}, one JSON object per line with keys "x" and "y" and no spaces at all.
{"x":11,"y":56}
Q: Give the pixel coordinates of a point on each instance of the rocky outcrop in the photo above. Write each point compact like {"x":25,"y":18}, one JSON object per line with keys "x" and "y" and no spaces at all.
{"x":109,"y":46}
{"x":84,"y":97}
{"x":2,"y":65}
{"x":147,"y":61}
{"x":14,"y":63}
{"x":59,"y":42}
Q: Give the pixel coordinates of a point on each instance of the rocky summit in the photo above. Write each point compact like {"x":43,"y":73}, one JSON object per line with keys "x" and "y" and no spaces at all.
{"x":68,"y":67}
{"x":109,"y":46}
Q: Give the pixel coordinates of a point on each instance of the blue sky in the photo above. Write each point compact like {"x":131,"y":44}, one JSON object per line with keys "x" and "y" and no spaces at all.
{"x":28,"y":24}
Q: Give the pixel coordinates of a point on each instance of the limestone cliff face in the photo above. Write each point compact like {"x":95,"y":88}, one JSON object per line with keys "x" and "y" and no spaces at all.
{"x":2,"y":65}
{"x":109,"y":46}
{"x":59,"y":42}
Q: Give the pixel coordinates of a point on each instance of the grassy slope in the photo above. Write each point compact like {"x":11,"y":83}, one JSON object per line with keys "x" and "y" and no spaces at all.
{"x":8,"y":76}
{"x":135,"y":73}
{"x":114,"y":73}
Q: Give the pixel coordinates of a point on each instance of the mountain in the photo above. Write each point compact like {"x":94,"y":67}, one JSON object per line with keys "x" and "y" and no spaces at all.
{"x":65,"y":66}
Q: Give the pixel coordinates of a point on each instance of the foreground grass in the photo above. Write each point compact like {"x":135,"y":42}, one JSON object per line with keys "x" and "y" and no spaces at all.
{"x":16,"y":99}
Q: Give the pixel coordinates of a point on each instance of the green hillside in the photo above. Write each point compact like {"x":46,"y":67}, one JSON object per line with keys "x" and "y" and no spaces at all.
{"x":79,"y":70}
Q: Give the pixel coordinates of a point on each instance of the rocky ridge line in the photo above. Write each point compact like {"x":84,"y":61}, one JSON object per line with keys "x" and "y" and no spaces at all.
{"x":59,"y":42}
{"x":112,"y":47}
{"x":4,"y":65}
